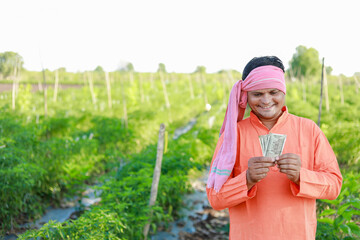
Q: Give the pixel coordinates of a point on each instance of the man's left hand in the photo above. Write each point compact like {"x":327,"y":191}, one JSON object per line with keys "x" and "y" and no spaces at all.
{"x":290,"y":164}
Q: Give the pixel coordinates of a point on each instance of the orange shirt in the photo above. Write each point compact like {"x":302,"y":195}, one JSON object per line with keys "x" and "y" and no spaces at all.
{"x":277,"y":208}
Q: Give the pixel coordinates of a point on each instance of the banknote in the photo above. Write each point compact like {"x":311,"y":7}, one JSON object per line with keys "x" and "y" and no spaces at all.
{"x":272,"y":144}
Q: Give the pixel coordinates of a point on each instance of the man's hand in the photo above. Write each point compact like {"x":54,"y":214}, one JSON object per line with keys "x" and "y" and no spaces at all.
{"x":290,"y":164}
{"x":258,"y":167}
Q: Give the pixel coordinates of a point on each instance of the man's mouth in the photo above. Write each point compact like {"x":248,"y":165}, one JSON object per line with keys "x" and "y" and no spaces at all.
{"x":266,"y":107}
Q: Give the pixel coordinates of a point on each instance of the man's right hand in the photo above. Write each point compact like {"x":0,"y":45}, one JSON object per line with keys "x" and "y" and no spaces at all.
{"x":258,"y":167}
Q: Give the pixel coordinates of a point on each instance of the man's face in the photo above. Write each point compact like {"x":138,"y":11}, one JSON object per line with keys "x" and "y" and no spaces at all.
{"x":266,"y":103}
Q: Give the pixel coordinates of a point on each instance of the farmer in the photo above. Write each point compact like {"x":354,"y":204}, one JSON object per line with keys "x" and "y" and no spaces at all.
{"x":270,"y":197}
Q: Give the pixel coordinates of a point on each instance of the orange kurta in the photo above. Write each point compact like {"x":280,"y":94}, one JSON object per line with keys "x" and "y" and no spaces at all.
{"x":276,"y":208}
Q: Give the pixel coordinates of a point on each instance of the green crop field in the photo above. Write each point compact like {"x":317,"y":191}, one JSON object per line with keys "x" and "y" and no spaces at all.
{"x":105,"y":133}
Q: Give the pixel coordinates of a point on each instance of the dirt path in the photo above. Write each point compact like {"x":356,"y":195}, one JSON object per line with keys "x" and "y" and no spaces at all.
{"x":35,"y":87}
{"x":199,"y":221}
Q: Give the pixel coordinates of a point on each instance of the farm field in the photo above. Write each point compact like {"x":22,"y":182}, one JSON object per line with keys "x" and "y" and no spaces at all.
{"x":104,"y":132}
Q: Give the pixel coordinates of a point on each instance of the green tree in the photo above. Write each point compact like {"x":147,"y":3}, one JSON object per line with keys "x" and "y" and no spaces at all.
{"x":130,"y":67}
{"x":99,"y":69}
{"x":8,"y":62}
{"x":328,"y":70}
{"x":161,"y":67}
{"x":305,"y":62}
{"x":62,"y":70}
{"x":200,"y":69}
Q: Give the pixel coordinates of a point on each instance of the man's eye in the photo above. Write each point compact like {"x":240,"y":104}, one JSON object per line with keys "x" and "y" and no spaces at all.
{"x":274,"y":92}
{"x":257,"y":94}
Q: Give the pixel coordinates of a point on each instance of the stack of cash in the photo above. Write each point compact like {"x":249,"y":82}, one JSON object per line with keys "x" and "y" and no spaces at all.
{"x":272,"y":144}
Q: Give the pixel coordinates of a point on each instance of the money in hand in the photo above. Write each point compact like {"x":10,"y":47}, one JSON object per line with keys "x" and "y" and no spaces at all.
{"x":272,"y":144}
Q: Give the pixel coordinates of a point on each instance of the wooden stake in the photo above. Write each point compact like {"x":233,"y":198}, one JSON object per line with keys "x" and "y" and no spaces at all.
{"x":91,"y":87}
{"x":321,"y":92}
{"x":45,"y":94}
{"x":164,"y":90}
{"x":131,"y":76}
{"x":124,"y":102}
{"x":141,"y":91}
{"x":56,"y":84}
{"x":356,"y":84}
{"x":203,"y":87}
{"x":14,"y":87}
{"x":327,"y":102}
{"x":341,"y":90}
{"x":156,"y":176}
{"x":108,"y":89}
{"x":152,"y":80}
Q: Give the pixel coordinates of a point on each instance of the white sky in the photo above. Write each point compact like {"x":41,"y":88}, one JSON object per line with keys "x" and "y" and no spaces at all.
{"x":182,"y":34}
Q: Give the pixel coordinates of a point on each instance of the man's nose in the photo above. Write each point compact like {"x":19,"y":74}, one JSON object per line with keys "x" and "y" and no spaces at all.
{"x":266,"y":99}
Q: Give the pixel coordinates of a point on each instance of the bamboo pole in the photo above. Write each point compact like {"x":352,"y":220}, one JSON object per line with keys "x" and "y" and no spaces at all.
{"x":356,"y":84}
{"x":91,"y":87}
{"x":124,"y":102}
{"x":164,"y":90}
{"x":204,"y":88}
{"x":108,"y":87}
{"x":17,"y":76}
{"x":156,"y":176}
{"x":56,"y":84}
{"x":327,"y":102}
{"x":341,"y":90}
{"x":131,"y":77}
{"x":152,"y":81}
{"x":14,"y":87}
{"x":321,"y":92}
{"x":141,"y":91}
{"x":45,"y":95}
{"x":40,"y":86}
{"x":191,"y":87}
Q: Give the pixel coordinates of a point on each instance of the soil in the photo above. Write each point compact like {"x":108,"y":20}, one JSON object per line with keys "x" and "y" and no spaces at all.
{"x":35,"y":87}
{"x":210,"y":224}
{"x":198,"y":220}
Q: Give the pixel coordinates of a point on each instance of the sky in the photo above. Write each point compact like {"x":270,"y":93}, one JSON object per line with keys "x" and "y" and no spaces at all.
{"x":183,"y":34}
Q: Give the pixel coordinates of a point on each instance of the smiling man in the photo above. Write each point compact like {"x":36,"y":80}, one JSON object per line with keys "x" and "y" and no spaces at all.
{"x":270,"y":197}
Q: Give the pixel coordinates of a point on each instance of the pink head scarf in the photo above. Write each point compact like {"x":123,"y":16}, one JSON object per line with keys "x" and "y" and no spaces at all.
{"x":259,"y":78}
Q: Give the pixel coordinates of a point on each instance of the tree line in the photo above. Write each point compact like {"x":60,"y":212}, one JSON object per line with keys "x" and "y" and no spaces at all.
{"x":304,"y":63}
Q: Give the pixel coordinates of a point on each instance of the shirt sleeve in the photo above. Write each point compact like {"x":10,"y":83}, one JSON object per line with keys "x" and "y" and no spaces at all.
{"x":325,"y":180}
{"x":234,"y":191}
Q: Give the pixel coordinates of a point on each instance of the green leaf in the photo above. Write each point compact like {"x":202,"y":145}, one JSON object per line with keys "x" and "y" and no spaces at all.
{"x":348,"y":214}
{"x":346,"y":229}
{"x":354,"y":228}
{"x":339,"y":220}
{"x":355,"y":203}
{"x":327,"y":212}
{"x":342,"y":208}
{"x":326,"y":220}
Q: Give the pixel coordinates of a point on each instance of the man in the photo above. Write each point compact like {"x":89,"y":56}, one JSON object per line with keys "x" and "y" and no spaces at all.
{"x":270,"y":197}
